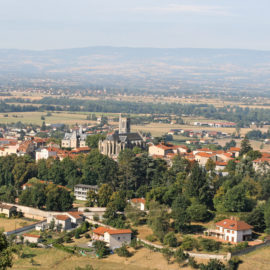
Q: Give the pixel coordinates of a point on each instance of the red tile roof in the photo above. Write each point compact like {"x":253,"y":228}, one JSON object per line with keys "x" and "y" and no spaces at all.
{"x":31,"y":235}
{"x":102,"y":230}
{"x":220,"y":163}
{"x":235,"y":149}
{"x":76,"y":215}
{"x":62,"y":217}
{"x":234,"y":225}
{"x":203,"y":154}
{"x":138,"y":200}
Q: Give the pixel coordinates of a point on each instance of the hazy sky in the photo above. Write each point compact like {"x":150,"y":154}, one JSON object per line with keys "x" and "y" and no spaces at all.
{"x":51,"y":24}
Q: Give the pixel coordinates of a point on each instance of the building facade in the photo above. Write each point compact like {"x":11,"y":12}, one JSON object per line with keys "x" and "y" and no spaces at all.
{"x":120,"y":140}
{"x":81,"y":190}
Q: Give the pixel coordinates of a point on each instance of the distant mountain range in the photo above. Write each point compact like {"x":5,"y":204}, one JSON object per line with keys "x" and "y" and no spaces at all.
{"x":140,"y":68}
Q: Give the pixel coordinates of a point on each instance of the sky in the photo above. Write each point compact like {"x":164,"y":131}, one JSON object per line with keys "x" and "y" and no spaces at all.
{"x":59,"y":24}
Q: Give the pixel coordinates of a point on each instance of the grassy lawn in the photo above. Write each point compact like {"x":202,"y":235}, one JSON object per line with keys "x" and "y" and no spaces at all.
{"x":142,"y":259}
{"x":259,"y":259}
{"x":13,"y":223}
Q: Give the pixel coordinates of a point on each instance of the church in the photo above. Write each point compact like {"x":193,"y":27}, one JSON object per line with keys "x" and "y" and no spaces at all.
{"x":120,"y":140}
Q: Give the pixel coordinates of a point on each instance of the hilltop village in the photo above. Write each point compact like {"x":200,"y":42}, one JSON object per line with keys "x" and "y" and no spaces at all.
{"x":116,"y":189}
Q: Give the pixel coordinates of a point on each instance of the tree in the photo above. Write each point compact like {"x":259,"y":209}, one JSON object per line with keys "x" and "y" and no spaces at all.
{"x":235,"y":200}
{"x":180,"y":214}
{"x":267,"y":216}
{"x":92,"y":198}
{"x":134,"y":214}
{"x":256,"y":219}
{"x":170,"y":240}
{"x":245,"y":147}
{"x":197,"y":186}
{"x":104,"y":194}
{"x":5,"y":253}
{"x":158,"y":219}
{"x":92,"y":140}
{"x":198,"y":211}
{"x":101,"y":249}
{"x":210,"y":165}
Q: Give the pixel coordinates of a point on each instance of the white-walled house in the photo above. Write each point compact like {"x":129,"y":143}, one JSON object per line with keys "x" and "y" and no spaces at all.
{"x":139,"y":203}
{"x":31,"y":238}
{"x":63,"y":220}
{"x":45,"y":153}
{"x":232,"y":230}
{"x":114,"y":238}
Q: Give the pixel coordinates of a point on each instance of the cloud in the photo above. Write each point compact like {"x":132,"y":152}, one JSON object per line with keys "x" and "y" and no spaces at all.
{"x":174,"y":8}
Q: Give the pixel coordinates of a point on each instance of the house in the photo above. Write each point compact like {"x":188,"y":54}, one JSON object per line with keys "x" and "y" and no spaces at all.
{"x":75,"y":139}
{"x":63,"y":220}
{"x":114,"y":238}
{"x":7,"y":210}
{"x":261,"y":165}
{"x":81,"y":190}
{"x":202,"y":157}
{"x":220,"y":165}
{"x":45,"y":153}
{"x":76,"y":217}
{"x":139,"y":203}
{"x":234,"y":151}
{"x":31,"y":238}
{"x":232,"y":230}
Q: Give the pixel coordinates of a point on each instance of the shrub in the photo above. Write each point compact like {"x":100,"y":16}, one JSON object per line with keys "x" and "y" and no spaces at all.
{"x":189,"y":243}
{"x":213,"y":264}
{"x":180,"y":255}
{"x":123,"y":251}
{"x":77,"y":234}
{"x":167,"y":253}
{"x":96,"y":217}
{"x":192,"y":263}
{"x":151,"y":238}
{"x":87,"y":235}
{"x":238,"y":247}
{"x":170,"y":240}
{"x":101,"y":249}
{"x":209,"y":244}
{"x":33,"y":245}
{"x":135,"y":244}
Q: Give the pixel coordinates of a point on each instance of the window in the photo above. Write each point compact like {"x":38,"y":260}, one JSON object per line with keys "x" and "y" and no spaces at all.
{"x":119,"y":237}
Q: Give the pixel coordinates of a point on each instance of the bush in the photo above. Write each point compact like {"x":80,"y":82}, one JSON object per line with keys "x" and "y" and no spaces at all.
{"x":189,"y":243}
{"x":209,"y":244}
{"x":123,"y":251}
{"x":77,"y":234}
{"x":238,"y":247}
{"x":87,"y":235}
{"x":151,"y":238}
{"x":96,"y":217}
{"x":101,"y":249}
{"x":33,"y":245}
{"x":170,"y":240}
{"x":180,"y":255}
{"x":213,"y":264}
{"x":167,"y":253}
{"x":134,"y":243}
{"x":192,"y":263}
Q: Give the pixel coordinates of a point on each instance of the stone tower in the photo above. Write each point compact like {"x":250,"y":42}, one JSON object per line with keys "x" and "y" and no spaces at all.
{"x":124,"y":125}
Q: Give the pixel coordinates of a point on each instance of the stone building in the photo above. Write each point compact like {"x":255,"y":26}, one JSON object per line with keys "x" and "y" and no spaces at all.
{"x":75,"y":139}
{"x":120,"y":140}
